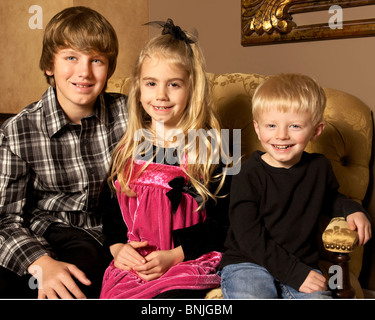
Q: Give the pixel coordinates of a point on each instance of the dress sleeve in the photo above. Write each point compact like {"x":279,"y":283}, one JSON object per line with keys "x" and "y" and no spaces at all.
{"x":114,"y":227}
{"x":209,"y":235}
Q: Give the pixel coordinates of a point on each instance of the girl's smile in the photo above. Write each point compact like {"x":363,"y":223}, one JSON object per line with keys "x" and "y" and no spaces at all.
{"x":162,"y":108}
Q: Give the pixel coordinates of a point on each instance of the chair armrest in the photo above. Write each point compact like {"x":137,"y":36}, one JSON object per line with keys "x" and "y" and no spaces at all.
{"x":337,"y":237}
{"x":214,"y":294}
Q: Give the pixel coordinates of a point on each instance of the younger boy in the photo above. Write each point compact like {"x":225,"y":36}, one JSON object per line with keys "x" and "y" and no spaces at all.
{"x":277,"y":197}
{"x":54,"y":157}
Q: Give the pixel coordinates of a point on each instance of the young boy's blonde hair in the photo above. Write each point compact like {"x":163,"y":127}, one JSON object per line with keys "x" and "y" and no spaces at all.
{"x":198,"y":114}
{"x":82,"y":29}
{"x":290,"y":92}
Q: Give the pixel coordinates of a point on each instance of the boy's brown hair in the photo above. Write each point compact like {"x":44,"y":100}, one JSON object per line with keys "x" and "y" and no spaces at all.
{"x":82,"y":29}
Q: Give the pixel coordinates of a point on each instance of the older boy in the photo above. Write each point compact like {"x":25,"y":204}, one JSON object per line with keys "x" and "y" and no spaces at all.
{"x":278,"y":195}
{"x":54,"y":157}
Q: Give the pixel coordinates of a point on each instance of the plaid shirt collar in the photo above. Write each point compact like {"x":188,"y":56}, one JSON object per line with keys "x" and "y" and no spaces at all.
{"x":56,"y":118}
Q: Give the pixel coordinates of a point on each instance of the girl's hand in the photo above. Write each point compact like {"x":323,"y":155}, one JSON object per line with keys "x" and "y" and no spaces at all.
{"x":359,"y":221}
{"x":126,"y":257}
{"x":158,"y":263}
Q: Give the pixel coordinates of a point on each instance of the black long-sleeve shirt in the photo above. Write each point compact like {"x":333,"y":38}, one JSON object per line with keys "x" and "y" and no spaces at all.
{"x":274,"y":215}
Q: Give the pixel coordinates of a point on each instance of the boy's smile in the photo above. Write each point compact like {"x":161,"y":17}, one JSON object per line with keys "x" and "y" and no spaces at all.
{"x":285,"y":135}
{"x":80,"y":77}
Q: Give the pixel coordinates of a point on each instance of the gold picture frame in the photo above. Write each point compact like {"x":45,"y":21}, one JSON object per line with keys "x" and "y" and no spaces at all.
{"x":271,"y":21}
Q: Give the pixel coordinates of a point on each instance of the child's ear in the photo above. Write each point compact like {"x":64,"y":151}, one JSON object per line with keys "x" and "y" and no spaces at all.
{"x":256,"y":127}
{"x":49,"y":73}
{"x":318,"y":130}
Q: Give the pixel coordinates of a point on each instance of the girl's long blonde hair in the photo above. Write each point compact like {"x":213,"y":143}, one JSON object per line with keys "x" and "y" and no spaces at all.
{"x":198,"y":114}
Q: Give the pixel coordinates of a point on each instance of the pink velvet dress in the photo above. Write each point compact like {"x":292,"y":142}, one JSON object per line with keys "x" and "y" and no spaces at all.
{"x":150,"y":216}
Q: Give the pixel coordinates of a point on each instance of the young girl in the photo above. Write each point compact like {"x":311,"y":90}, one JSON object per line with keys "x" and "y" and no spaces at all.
{"x":174,"y":227}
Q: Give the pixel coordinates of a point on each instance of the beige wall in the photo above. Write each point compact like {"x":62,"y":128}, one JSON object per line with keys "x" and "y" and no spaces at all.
{"x":22,"y":82}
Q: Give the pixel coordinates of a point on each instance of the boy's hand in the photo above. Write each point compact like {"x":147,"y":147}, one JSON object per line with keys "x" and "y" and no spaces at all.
{"x":56,"y":279}
{"x":313,"y":282}
{"x":359,"y":221}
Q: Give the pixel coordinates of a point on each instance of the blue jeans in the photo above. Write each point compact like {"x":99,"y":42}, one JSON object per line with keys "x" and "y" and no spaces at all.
{"x":251,"y":281}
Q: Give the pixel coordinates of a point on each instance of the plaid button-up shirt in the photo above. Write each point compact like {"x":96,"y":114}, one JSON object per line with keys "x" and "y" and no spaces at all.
{"x":51,"y":171}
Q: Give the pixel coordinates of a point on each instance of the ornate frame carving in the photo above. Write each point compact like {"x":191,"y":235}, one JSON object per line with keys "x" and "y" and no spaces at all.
{"x":270,"y":21}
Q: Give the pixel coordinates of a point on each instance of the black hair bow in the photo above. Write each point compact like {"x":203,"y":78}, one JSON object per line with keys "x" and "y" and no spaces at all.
{"x":170,"y":28}
{"x":175,"y":194}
